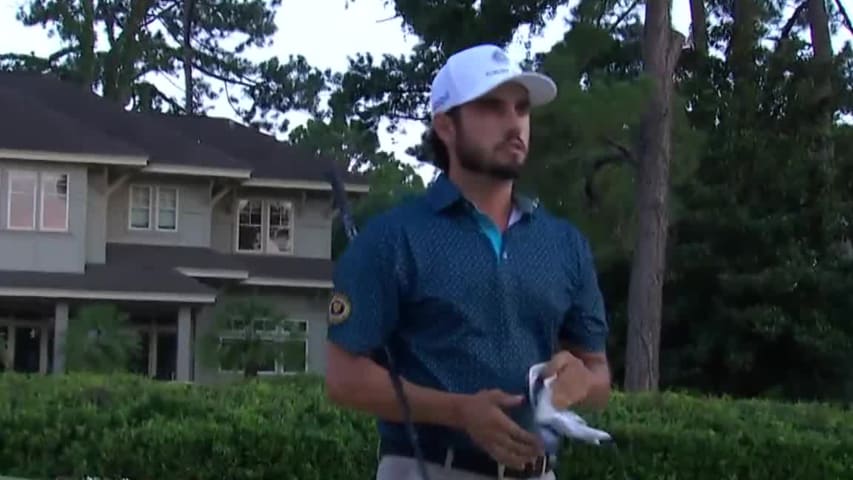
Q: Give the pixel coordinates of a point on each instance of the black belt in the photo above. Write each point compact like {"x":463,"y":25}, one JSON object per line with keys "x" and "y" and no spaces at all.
{"x":469,"y":460}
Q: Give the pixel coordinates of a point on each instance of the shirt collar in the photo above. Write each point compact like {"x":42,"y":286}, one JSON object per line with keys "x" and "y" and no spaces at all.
{"x":443,"y":194}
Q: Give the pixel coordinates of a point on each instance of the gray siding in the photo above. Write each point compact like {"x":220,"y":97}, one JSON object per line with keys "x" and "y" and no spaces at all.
{"x":312,"y":222}
{"x":297,"y":304}
{"x":96,"y":217}
{"x":46,"y":251}
{"x":193,"y":213}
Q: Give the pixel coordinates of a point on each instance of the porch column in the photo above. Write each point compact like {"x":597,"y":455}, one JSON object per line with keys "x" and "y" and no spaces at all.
{"x":60,"y":328}
{"x":184,"y":344}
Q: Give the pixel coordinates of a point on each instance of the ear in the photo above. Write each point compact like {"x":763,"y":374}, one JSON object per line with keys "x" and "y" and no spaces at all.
{"x":445,"y":128}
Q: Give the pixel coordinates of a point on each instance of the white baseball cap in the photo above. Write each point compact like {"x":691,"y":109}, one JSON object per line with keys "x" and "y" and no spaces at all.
{"x":475,"y":71}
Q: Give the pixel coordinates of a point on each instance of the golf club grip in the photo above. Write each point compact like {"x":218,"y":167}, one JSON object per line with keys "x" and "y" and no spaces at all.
{"x":340,"y":199}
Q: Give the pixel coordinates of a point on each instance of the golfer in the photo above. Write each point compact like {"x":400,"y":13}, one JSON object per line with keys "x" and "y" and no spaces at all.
{"x":470,"y":285}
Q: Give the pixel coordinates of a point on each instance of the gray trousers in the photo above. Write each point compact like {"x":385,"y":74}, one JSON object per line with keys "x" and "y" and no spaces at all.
{"x":405,"y":468}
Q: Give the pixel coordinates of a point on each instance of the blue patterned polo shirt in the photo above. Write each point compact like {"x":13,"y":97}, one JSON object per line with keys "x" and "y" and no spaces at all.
{"x":461,"y":306}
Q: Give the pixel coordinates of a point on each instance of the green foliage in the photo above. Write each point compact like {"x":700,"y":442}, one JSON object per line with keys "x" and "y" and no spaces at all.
{"x":62,"y":426}
{"x":247,"y":334}
{"x":5,"y":360}
{"x":99,"y":339}
{"x":118,"y":46}
{"x":585,"y":144}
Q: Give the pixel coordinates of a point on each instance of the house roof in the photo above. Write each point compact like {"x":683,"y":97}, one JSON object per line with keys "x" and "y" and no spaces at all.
{"x":108,"y":282}
{"x":24,"y":122}
{"x":170,"y":256}
{"x":268,"y":157}
{"x":167,"y":273}
{"x":88,"y":123}
{"x":94,"y":113}
{"x":203,"y":262}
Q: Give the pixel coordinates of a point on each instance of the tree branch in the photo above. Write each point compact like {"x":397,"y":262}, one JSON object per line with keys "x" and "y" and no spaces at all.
{"x":844,"y":16}
{"x":626,"y":152}
{"x":589,"y":189}
{"x":223,"y":78}
{"x":624,"y":16}
{"x":789,"y":25}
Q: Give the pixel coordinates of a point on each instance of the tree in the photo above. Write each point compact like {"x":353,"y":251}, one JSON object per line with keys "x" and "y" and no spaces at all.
{"x":100,"y":340}
{"x":248,"y":334}
{"x":661,"y":49}
{"x":118,"y":47}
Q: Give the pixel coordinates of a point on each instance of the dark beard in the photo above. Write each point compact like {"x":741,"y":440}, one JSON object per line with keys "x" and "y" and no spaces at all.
{"x":475,"y":161}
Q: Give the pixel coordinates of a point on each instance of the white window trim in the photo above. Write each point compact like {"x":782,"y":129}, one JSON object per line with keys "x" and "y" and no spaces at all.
{"x":67,"y":202}
{"x":11,"y":174}
{"x":265,"y":226}
{"x":38,"y":200}
{"x":157,"y":209}
{"x":237,"y":227}
{"x":276,"y":336}
{"x":130,"y":206}
{"x":153,"y":208}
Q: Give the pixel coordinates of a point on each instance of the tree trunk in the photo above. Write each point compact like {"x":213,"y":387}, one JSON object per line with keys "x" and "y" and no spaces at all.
{"x":822,"y":106}
{"x":822,"y":50}
{"x":188,"y":56}
{"x":661,"y":49}
{"x":699,"y":27}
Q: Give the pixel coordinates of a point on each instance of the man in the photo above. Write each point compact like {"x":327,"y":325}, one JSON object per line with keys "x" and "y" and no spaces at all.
{"x":470,"y":285}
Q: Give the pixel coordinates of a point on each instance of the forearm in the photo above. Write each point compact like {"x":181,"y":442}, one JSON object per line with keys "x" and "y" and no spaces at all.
{"x":599,"y":390}
{"x":366,"y":386}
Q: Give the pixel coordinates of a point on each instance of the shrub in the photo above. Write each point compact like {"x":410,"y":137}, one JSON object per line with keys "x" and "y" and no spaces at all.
{"x":130,"y":427}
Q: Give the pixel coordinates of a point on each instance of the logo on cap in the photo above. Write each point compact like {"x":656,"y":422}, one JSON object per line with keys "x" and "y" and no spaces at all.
{"x":500,"y":57}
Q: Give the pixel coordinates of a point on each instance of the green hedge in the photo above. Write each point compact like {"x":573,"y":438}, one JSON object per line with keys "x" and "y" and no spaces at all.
{"x":129,"y":427}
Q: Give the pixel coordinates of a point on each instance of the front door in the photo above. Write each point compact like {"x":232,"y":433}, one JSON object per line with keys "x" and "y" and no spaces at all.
{"x":27,"y":354}
{"x":167,"y":352}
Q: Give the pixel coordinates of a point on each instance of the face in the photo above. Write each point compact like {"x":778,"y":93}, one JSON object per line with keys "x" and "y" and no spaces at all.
{"x":491,"y":135}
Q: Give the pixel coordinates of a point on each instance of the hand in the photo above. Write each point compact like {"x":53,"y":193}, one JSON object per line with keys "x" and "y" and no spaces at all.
{"x":484,"y":420}
{"x":573,"y":382}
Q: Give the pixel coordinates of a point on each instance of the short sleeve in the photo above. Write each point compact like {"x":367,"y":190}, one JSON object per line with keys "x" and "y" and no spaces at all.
{"x":585,"y":325}
{"x":364,"y":305}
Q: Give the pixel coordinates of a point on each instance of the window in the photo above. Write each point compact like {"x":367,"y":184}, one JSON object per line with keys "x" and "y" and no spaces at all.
{"x":265,"y":226}
{"x":249,"y":226}
{"x":21,"y":212}
{"x":42,"y":195}
{"x":286,"y":352}
{"x":167,"y":208}
{"x":153,"y":206}
{"x":140,"y":207}
{"x":54,"y":202}
{"x":279,"y":238}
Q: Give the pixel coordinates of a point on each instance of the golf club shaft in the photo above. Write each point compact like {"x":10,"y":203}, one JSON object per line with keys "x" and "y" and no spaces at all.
{"x":351,"y":231}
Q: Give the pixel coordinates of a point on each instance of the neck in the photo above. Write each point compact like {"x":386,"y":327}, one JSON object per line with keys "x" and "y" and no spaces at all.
{"x":491,"y":196}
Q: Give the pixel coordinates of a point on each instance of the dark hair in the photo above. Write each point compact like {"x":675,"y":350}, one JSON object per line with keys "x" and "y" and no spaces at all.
{"x":438,"y":150}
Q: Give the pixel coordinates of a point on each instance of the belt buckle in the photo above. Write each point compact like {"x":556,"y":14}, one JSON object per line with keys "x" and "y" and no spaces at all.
{"x":534,"y":469}
{"x":538,"y":468}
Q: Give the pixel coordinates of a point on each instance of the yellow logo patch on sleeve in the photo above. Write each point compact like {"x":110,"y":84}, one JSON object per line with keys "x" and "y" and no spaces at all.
{"x":339,"y":308}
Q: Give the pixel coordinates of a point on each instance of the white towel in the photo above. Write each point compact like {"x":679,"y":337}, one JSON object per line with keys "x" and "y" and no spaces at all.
{"x":554,"y":423}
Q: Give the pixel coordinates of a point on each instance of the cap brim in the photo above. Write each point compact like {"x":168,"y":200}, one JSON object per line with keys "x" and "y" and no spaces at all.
{"x":541,"y":88}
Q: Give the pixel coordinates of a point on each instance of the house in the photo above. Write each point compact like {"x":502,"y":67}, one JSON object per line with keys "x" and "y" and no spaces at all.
{"x":162,"y":216}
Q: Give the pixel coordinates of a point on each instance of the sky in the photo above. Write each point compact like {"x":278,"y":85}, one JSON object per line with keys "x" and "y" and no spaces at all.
{"x":314,"y":29}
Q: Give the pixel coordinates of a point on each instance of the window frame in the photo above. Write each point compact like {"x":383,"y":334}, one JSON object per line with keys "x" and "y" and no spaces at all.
{"x":38,"y":196}
{"x":157,"y":209}
{"x":273,"y":336}
{"x":153,"y":207}
{"x":265,"y":225}
{"x":67,"y":201}
{"x":130,"y":206}
{"x":10,"y":174}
